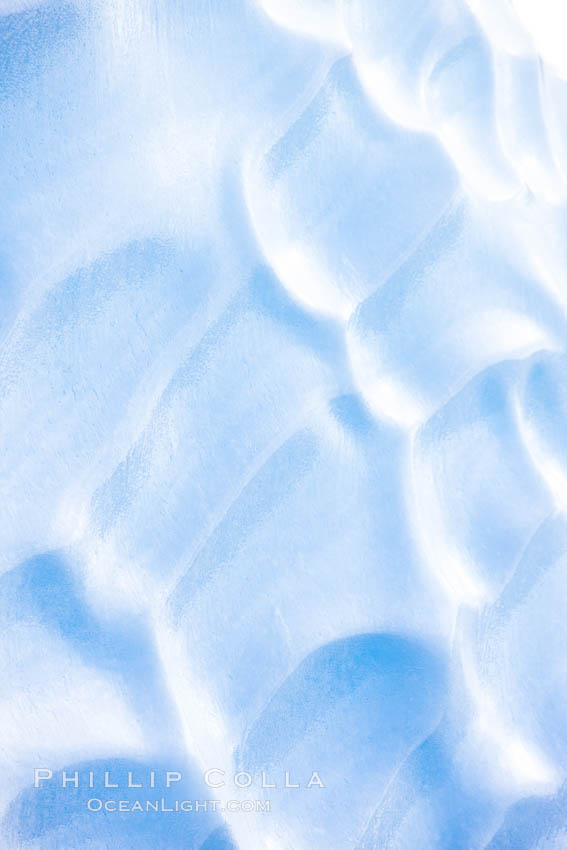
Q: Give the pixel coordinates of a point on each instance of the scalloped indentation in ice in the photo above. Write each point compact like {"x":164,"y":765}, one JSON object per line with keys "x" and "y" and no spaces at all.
{"x":283,"y":417}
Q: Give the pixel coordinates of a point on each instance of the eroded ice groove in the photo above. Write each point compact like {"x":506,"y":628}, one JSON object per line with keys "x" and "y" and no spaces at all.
{"x":283,"y":408}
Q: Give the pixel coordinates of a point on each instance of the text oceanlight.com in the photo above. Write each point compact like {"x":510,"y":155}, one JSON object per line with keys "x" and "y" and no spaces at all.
{"x":95,"y":804}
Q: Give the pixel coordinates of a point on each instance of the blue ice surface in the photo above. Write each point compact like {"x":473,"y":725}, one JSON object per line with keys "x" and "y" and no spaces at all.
{"x":283,"y":405}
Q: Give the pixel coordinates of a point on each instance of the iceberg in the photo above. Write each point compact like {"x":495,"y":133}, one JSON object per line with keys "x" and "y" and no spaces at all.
{"x":283,"y":404}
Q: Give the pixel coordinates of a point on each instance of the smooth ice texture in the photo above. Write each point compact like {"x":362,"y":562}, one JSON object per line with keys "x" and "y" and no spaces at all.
{"x":283,"y":418}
